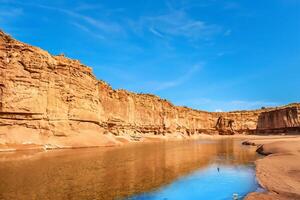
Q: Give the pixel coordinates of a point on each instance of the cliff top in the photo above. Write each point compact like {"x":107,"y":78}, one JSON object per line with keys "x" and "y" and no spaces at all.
{"x":61,"y":59}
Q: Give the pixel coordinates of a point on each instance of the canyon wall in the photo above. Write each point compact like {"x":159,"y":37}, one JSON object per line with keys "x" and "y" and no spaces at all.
{"x":283,"y":120}
{"x":47,"y":99}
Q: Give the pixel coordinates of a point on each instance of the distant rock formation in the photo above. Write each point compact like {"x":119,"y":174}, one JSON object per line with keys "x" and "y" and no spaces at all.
{"x":225,"y":126}
{"x":48,"y":99}
{"x":282,"y":120}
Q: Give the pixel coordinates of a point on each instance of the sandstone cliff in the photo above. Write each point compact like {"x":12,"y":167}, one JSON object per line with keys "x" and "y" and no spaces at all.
{"x":47,"y":99}
{"x":285,"y":119}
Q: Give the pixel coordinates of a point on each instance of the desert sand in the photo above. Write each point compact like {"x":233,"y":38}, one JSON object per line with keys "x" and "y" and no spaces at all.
{"x":279,"y":171}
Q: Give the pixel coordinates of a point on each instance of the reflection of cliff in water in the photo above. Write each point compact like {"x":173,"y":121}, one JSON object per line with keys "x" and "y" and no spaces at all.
{"x":228,"y":152}
{"x":110,"y":172}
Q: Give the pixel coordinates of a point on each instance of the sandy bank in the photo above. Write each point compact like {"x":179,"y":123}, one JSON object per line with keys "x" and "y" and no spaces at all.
{"x":279,"y":171}
{"x":109,"y":140}
{"x":106,"y":140}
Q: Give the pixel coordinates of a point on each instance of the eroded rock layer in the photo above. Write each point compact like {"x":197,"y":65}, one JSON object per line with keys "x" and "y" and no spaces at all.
{"x":47,"y":99}
{"x":286,"y":119}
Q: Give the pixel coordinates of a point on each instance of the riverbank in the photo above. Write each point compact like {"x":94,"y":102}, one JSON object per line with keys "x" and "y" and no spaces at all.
{"x":100,"y":140}
{"x":279,"y":171}
{"x":109,"y":140}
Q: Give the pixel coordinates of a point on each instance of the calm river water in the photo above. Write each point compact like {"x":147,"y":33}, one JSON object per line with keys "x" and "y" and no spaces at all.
{"x":199,"y":169}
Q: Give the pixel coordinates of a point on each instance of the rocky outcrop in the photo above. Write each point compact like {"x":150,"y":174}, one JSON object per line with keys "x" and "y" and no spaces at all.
{"x":285,"y":119}
{"x":54,"y":100}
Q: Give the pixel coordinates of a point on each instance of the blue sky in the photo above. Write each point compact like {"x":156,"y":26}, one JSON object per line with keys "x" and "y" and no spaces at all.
{"x":209,"y":54}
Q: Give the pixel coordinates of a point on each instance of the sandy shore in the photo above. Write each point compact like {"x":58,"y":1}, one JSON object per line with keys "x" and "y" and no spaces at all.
{"x":106,"y":140}
{"x":109,"y":140}
{"x":279,"y":171}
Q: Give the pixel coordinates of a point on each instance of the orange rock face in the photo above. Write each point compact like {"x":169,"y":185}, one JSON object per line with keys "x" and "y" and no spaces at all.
{"x":280,"y":120}
{"x":54,"y":100}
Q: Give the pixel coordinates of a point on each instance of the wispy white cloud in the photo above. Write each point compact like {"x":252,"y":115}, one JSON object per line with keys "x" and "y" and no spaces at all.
{"x":171,"y":24}
{"x":163,"y":85}
{"x":84,"y":6}
{"x":93,"y":26}
{"x":11,"y":12}
{"x":106,"y":27}
{"x":155,"y":32}
{"x":87,"y":30}
{"x":178,"y":23}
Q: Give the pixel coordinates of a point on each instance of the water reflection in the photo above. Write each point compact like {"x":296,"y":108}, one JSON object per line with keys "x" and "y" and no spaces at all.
{"x":111,"y":173}
{"x":209,"y":183}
